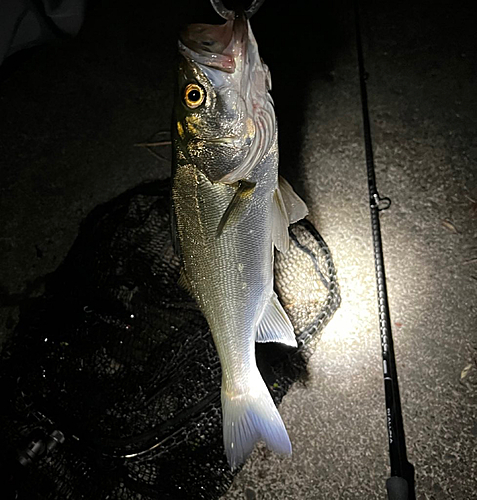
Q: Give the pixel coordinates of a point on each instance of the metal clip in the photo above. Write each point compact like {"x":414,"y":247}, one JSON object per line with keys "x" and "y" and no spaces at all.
{"x":380,"y":203}
{"x":230,"y":15}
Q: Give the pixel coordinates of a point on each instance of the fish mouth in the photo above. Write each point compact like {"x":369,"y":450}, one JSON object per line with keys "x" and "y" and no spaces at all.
{"x":216,"y":46}
{"x":219,"y":45}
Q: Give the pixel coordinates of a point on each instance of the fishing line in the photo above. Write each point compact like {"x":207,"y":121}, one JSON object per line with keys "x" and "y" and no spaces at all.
{"x":400,"y":486}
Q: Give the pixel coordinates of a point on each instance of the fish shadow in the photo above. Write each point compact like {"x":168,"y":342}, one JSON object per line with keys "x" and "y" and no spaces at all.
{"x":300,"y":45}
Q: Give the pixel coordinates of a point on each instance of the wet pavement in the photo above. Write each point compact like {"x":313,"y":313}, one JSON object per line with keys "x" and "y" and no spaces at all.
{"x":74,"y":112}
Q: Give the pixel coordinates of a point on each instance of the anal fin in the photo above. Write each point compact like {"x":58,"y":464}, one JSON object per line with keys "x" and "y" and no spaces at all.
{"x":275,"y":326}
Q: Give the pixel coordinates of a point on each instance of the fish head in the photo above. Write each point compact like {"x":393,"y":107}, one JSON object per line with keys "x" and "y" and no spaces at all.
{"x":224,"y":120}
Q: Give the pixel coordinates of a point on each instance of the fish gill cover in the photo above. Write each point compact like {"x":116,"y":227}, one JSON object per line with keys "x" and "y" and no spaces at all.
{"x":116,"y":360}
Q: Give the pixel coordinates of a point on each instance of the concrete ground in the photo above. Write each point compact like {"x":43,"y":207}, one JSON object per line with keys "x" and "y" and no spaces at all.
{"x":72,"y":112}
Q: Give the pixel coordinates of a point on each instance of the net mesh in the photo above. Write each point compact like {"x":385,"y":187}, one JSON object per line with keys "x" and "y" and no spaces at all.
{"x":112,"y":379}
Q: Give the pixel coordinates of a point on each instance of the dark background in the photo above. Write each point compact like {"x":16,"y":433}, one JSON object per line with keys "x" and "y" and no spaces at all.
{"x":73,"y":110}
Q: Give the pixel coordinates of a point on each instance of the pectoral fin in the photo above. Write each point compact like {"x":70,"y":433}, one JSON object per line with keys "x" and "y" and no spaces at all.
{"x":236,"y":206}
{"x":275,"y":325}
{"x":295,"y":207}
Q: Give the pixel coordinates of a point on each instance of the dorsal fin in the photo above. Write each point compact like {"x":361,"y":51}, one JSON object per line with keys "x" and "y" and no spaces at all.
{"x":296,"y":208}
{"x":279,"y":222}
{"x":287,"y":208}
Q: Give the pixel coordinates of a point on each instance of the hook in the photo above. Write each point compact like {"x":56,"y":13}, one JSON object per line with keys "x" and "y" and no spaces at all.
{"x":229,"y":15}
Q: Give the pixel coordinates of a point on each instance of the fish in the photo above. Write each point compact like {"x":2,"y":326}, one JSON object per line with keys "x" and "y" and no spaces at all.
{"x":230,"y":210}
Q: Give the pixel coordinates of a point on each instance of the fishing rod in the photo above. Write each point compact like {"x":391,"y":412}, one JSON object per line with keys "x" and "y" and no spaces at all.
{"x":400,"y":484}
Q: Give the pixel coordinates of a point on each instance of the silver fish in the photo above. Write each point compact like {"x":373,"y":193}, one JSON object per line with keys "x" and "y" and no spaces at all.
{"x":229,"y":212}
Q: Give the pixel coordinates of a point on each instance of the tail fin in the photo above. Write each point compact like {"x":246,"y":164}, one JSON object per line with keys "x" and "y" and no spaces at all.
{"x":249,"y":417}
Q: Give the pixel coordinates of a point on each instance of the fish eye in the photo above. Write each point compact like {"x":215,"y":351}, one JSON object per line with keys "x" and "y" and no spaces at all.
{"x":194,"y":95}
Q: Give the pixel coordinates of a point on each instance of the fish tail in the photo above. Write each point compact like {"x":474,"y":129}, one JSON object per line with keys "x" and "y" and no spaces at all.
{"x":249,"y":417}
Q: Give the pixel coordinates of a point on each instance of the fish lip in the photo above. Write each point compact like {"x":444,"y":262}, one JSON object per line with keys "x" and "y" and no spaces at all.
{"x":219,"y":61}
{"x":231,"y":37}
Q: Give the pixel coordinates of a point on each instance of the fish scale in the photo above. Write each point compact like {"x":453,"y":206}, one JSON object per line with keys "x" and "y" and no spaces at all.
{"x":229,"y":212}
